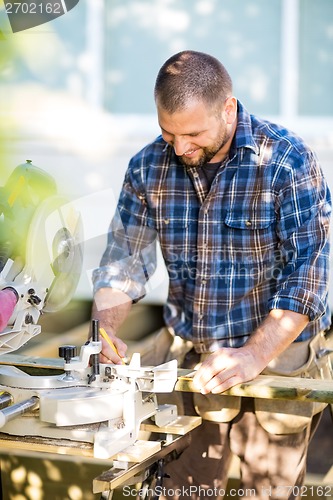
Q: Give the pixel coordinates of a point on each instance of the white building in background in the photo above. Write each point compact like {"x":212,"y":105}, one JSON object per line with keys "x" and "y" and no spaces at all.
{"x":76,"y":94}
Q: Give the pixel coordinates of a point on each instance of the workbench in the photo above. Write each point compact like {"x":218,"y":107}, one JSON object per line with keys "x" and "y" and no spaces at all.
{"x":139,"y":464}
{"x":264,"y":386}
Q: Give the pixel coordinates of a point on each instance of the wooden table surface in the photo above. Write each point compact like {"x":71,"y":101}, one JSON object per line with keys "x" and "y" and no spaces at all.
{"x":264,"y":386}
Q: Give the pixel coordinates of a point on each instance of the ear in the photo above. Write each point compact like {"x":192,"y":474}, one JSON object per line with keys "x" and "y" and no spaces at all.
{"x":230,"y":110}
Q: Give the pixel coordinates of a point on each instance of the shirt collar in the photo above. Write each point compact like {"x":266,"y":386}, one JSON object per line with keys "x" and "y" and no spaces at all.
{"x":243,"y":136}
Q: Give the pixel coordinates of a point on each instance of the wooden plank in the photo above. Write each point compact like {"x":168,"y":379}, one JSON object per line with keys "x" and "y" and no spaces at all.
{"x":264,"y":386}
{"x":180,"y":426}
{"x":272,"y":387}
{"x":139,"y":451}
{"x":45,"y":445}
{"x":115,"y":477}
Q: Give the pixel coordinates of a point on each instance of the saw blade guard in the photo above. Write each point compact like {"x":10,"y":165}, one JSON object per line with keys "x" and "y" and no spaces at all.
{"x":54,"y":253}
{"x":26,"y":188}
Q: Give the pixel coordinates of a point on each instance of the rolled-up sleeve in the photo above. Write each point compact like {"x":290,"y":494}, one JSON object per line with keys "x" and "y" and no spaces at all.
{"x":303,"y":229}
{"x":130,"y":256}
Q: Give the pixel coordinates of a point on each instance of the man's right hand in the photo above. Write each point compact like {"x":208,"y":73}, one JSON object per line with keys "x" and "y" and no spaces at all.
{"x":111,"y":307}
{"x":110,"y":355}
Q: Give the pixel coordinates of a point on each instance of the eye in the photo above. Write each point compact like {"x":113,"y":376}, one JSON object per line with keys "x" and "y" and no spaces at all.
{"x":167,"y":137}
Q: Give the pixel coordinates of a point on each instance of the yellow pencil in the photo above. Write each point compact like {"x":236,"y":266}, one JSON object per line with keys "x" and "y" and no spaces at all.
{"x":111,"y":344}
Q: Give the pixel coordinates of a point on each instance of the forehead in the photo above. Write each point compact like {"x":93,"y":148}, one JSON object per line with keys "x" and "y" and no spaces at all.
{"x":195,"y":117}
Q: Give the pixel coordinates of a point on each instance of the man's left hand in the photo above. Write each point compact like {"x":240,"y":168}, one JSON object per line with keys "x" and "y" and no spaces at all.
{"x":225,"y":368}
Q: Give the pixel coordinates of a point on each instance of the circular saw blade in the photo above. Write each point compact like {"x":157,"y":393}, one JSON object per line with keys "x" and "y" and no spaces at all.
{"x":54,"y":251}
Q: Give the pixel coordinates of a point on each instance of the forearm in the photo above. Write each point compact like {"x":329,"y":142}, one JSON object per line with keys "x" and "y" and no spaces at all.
{"x":111,"y":307}
{"x":228,"y":366}
{"x":274,"y":335}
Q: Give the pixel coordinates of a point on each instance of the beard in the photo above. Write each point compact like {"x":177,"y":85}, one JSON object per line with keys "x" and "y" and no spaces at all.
{"x":207,"y":153}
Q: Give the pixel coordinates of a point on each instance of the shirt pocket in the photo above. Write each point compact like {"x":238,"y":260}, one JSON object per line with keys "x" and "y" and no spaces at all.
{"x":250,"y":236}
{"x":250,"y":221}
{"x":174,"y":237}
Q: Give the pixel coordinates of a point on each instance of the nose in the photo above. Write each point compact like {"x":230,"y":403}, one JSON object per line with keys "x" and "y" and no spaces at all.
{"x":180,"y":145}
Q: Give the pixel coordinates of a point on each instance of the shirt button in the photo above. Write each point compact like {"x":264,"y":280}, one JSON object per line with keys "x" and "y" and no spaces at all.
{"x":204,"y":282}
{"x":195,"y":174}
{"x":166,"y":221}
{"x":248,"y":223}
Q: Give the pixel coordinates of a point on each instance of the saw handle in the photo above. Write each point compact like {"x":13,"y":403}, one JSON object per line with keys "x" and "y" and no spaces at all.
{"x":15,"y":410}
{"x":8,"y":300}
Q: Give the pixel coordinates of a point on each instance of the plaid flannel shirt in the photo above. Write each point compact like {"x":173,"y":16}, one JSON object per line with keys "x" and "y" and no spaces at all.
{"x":256,"y":239}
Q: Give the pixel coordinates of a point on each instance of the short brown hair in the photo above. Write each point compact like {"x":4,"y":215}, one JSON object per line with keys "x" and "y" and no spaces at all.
{"x":191,"y":75}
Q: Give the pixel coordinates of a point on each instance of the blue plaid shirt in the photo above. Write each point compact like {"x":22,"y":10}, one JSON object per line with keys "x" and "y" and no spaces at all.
{"x":256,"y":239}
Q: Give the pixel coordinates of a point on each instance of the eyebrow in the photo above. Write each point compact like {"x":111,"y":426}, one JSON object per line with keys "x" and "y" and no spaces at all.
{"x":188,"y":133}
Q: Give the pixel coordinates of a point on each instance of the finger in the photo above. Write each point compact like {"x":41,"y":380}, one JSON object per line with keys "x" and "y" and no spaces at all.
{"x":226,"y":384}
{"x":204,"y":375}
{"x":110,"y":347}
{"x":110,"y":358}
{"x":220,"y":383}
{"x":112,"y":355}
{"x":213,"y":385}
{"x":211,"y":367}
{"x":120,"y":346}
{"x":104,"y":358}
{"x":109,"y":353}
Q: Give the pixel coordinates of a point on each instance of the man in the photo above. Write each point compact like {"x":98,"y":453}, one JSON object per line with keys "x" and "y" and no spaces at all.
{"x":241,"y":210}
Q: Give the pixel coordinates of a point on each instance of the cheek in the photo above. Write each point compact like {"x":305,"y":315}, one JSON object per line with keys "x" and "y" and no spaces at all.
{"x":203,"y":141}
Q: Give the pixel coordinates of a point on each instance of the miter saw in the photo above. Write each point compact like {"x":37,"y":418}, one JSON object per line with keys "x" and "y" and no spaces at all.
{"x":40,"y":264}
{"x":40,"y":253}
{"x":90,"y":402}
